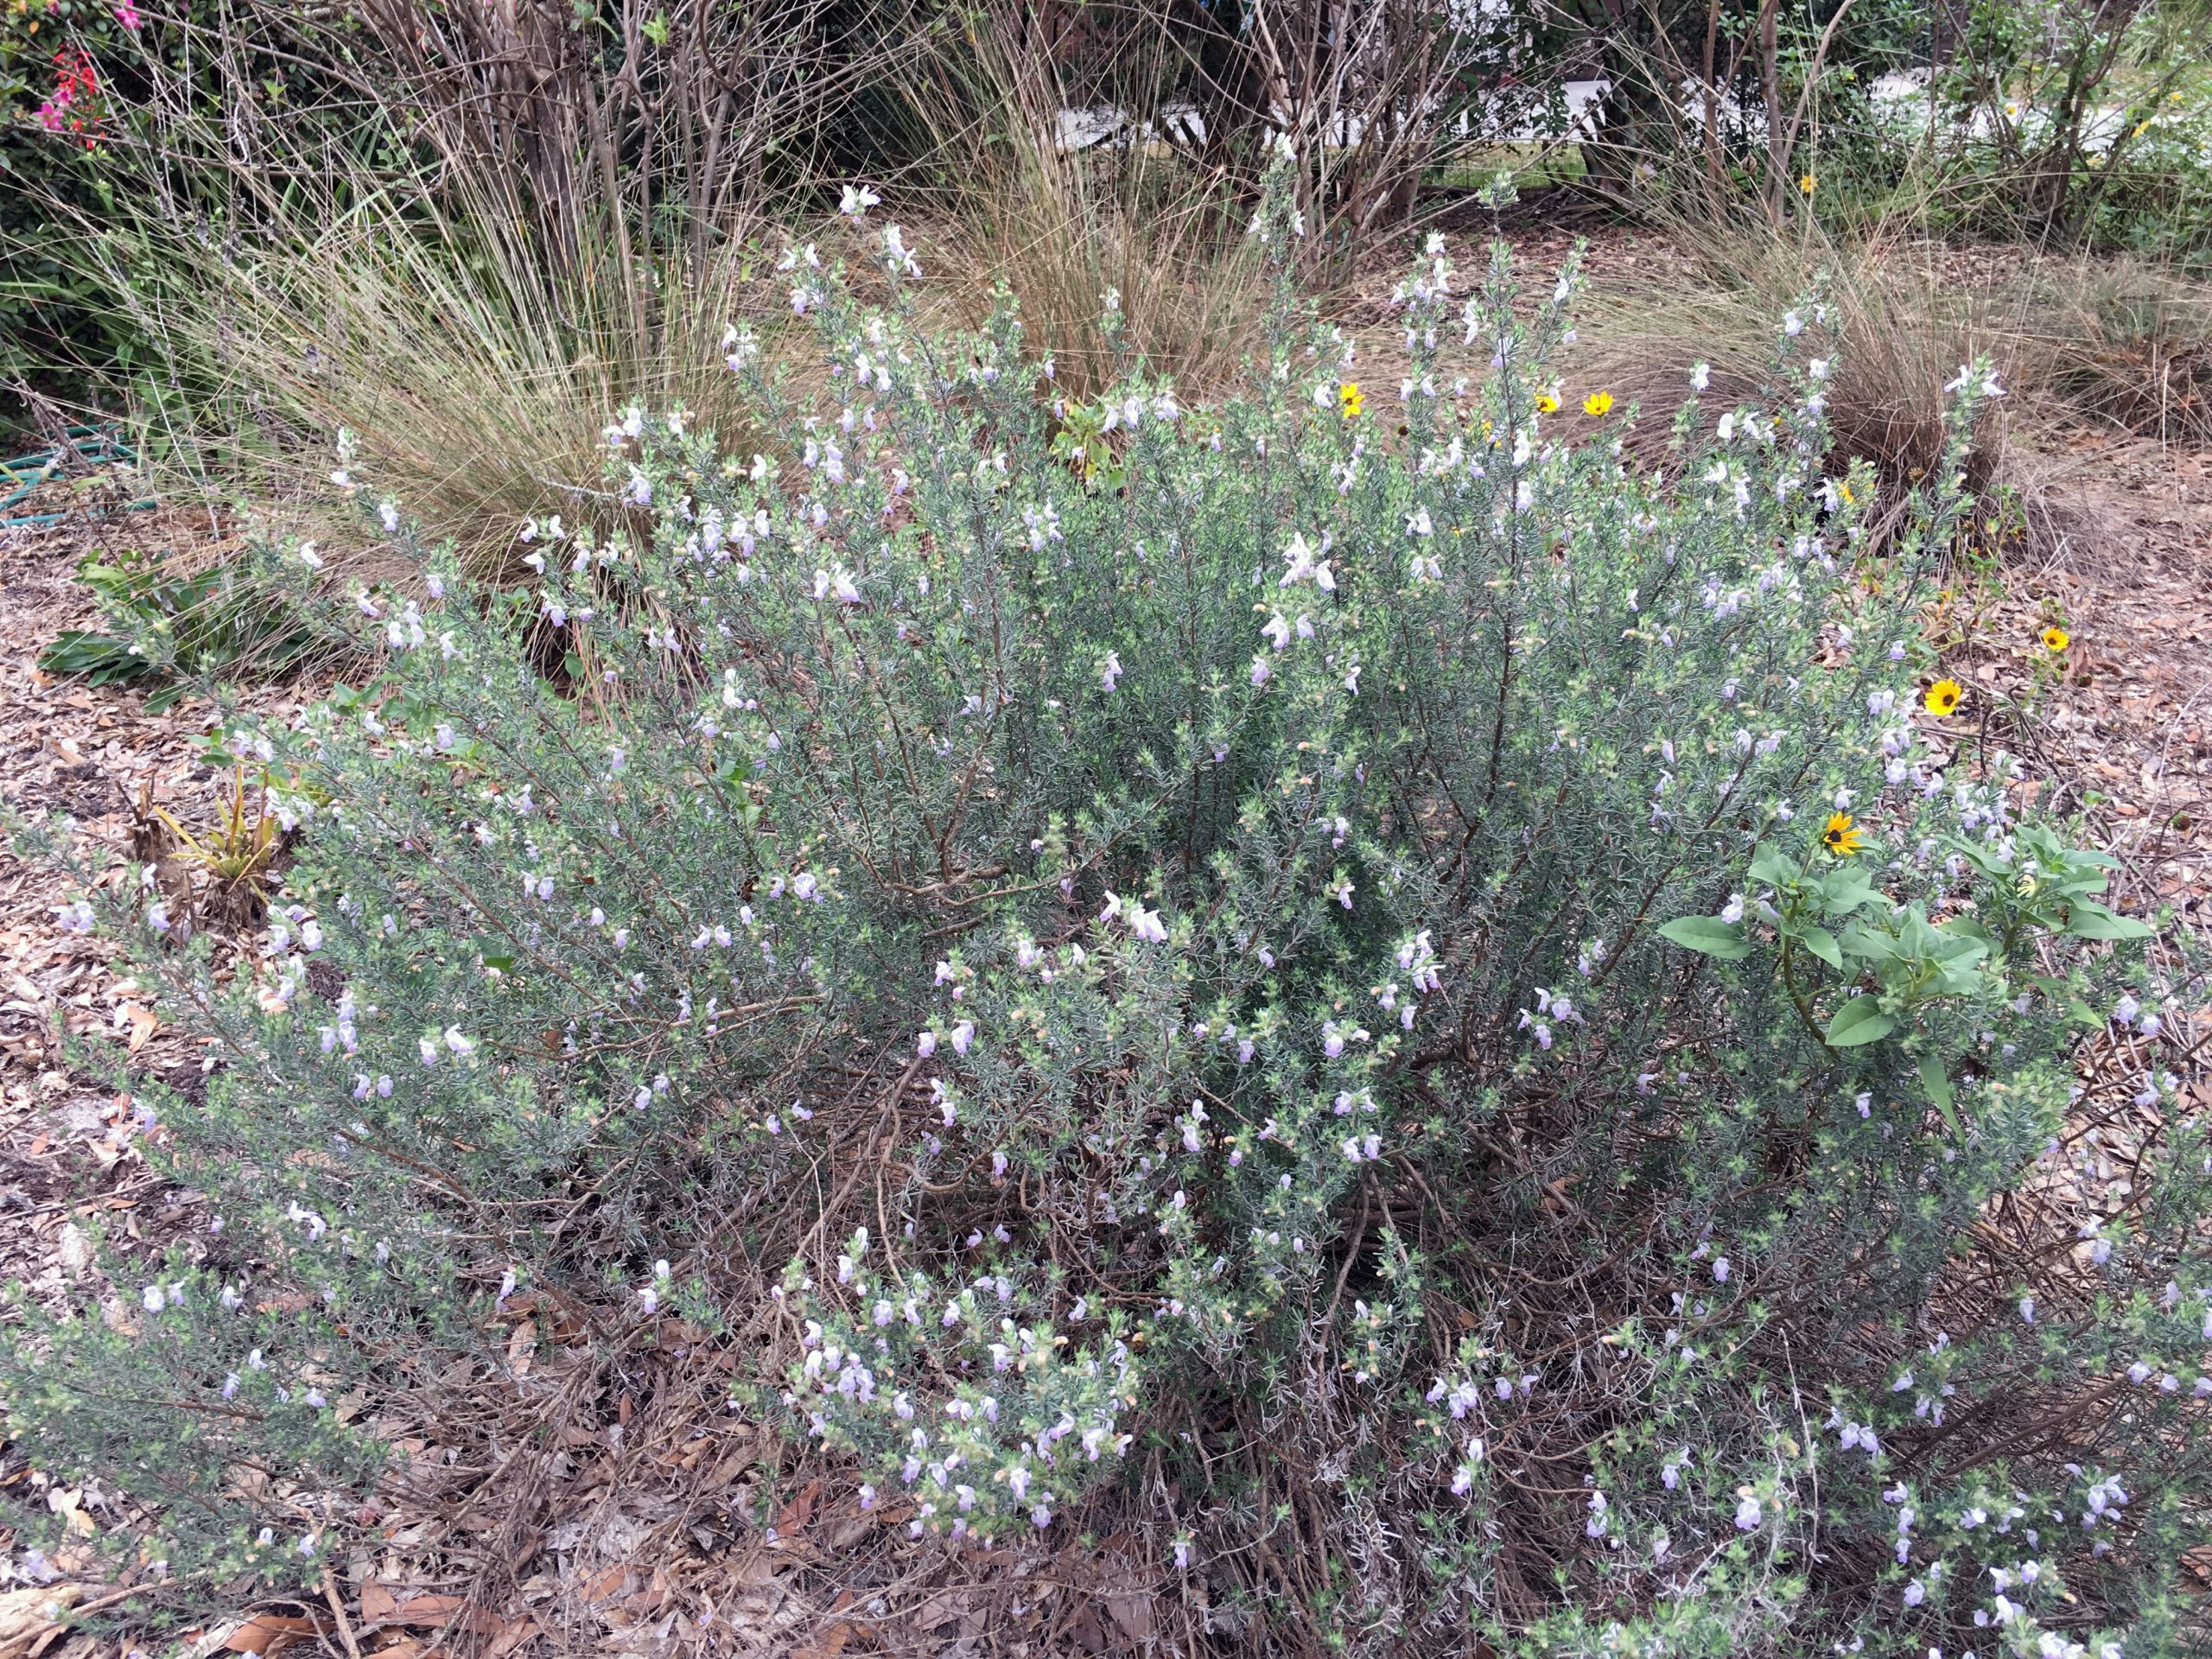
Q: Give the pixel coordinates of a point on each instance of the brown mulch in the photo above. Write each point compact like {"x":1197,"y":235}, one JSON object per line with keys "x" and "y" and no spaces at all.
{"x":2125,"y":736}
{"x":68,"y":1144}
{"x":2119,"y":731}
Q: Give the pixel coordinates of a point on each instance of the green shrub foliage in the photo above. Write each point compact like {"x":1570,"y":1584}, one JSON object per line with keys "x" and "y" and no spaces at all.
{"x":1351,"y":951}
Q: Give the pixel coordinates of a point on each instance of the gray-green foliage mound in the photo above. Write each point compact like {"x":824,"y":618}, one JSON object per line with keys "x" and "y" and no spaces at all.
{"x":1340,"y":976}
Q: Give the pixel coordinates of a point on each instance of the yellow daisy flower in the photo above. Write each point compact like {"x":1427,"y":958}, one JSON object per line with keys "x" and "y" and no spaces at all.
{"x":1806,"y":184}
{"x":1943,"y":697}
{"x":1546,"y":403}
{"x":2055,"y":638}
{"x":1350,"y":400}
{"x":1840,"y":838}
{"x":1598,"y":404}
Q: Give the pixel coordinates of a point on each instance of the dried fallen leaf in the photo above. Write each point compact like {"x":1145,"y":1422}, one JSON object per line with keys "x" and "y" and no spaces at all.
{"x":1132,"y":1611}
{"x":2198,"y":1561}
{"x":827,"y":1644}
{"x":269,"y":1633}
{"x":796,"y":1514}
{"x":951,"y":1606}
{"x":610,"y":1586}
{"x":64,"y":1502}
{"x":382,"y":1603}
{"x":30,"y":1617}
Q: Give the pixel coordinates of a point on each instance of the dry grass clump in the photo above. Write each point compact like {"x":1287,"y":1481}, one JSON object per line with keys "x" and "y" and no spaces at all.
{"x":2126,"y":342}
{"x":2130,"y":341}
{"x":1901,"y":319}
{"x":1077,"y":237}
{"x":474,"y":376}
{"x":476,"y":379}
{"x":477,"y":235}
{"x":1127,"y":224}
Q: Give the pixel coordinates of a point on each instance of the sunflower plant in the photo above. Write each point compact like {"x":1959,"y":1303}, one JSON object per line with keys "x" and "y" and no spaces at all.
{"x":1890,"y":966}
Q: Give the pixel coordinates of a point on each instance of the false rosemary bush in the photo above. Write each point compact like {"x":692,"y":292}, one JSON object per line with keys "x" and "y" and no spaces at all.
{"x":1340,"y":976}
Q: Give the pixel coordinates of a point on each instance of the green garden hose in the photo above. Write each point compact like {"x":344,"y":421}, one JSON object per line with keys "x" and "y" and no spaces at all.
{"x":26,"y":472}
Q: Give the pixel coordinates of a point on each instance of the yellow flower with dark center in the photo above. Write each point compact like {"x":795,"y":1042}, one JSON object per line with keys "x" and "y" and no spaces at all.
{"x":1546,"y":403}
{"x":1598,"y":404}
{"x":1839,"y":837}
{"x":2055,"y":638}
{"x":1350,"y":400}
{"x":1943,"y":697}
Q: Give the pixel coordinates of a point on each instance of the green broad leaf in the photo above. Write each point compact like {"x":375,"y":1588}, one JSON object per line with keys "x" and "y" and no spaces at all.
{"x":1710,"y":935}
{"x":2078,"y":880}
{"x":1772,"y":868}
{"x":102,"y":658}
{"x":1859,"y":1021}
{"x":1955,"y":943}
{"x":2089,"y":921}
{"x":1966,"y":927}
{"x":1847,"y":890}
{"x":1821,"y":943}
{"x":1975,"y":855}
{"x":1864,"y":942}
{"x":1956,"y":979}
{"x":1938,"y":1083}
